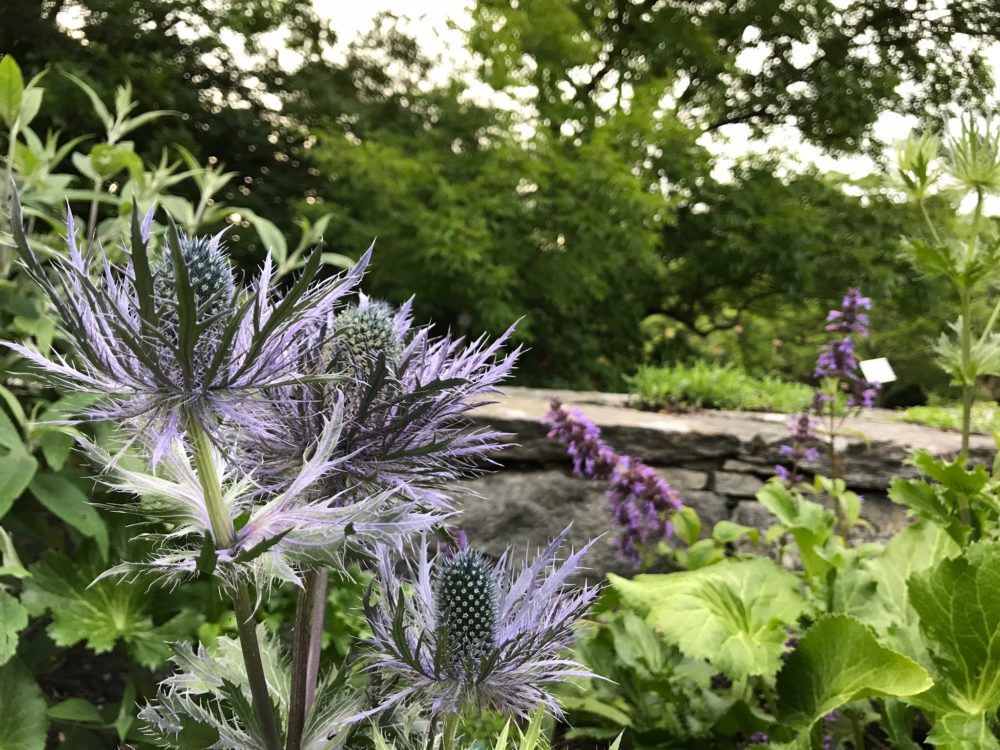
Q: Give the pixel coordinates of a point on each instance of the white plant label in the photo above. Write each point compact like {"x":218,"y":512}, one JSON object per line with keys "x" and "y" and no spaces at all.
{"x":877,"y":370}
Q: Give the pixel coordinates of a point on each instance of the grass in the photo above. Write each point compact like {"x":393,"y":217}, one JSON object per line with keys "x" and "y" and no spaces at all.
{"x":985,"y":416}
{"x":713,"y":386}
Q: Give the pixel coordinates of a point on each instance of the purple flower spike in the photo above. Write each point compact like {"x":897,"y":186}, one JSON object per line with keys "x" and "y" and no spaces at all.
{"x":475,"y":634}
{"x":641,"y":501}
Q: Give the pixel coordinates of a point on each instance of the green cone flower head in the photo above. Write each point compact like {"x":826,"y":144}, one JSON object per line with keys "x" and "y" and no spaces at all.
{"x":208,"y":269}
{"x":368,"y":330}
{"x":467,"y":593}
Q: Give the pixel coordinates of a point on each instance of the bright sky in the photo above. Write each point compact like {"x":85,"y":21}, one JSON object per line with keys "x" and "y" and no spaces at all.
{"x":429,"y":24}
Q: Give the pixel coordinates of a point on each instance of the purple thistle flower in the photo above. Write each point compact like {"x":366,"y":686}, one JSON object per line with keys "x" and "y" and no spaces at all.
{"x":172,"y":341}
{"x":405,"y":400}
{"x":475,"y":633}
{"x":759,"y":738}
{"x":278,"y":534}
{"x":641,"y":501}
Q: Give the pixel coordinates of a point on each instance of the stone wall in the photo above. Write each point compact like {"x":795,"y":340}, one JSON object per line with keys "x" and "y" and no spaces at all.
{"x":716,"y":460}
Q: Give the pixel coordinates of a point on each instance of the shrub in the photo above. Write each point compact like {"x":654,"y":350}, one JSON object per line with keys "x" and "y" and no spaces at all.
{"x":715,"y":386}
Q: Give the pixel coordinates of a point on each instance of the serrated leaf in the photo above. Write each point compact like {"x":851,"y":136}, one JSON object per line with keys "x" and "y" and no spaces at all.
{"x":68,"y":502}
{"x":810,"y":524}
{"x":958,"y":603}
{"x":100,"y":614}
{"x":13,"y":619}
{"x":962,"y":732}
{"x":732,"y":614}
{"x":23,"y":723}
{"x":838,"y":661}
{"x":11,"y":90}
{"x":915,"y":549}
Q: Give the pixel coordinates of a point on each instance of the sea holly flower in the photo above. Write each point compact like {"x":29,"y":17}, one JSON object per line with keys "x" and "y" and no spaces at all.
{"x":174,"y":340}
{"x":276,"y":534}
{"x":206,"y":701}
{"x":405,"y":400}
{"x":476,"y":634}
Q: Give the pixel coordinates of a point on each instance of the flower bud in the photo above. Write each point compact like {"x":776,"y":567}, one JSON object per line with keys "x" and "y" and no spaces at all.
{"x":467,"y":593}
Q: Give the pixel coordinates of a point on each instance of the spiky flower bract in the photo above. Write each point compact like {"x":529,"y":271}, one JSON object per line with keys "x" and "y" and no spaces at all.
{"x":448,"y":647}
{"x":176,"y":342}
{"x":276,"y":534}
{"x":405,"y":423}
{"x":205,"y":703}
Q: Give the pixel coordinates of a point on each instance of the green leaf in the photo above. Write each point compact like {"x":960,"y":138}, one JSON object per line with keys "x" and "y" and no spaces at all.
{"x":838,"y":661}
{"x":16,"y":472}
{"x":76,"y":709}
{"x":102,"y":613}
{"x":11,"y":90}
{"x":732,"y":614}
{"x":726,"y":532}
{"x":109,"y":160}
{"x":23,"y":723}
{"x":68,"y":502}
{"x":810,"y":523}
{"x":10,"y":564}
{"x":270,"y":236}
{"x":10,"y":434}
{"x":959,"y":609}
{"x":915,"y":549}
{"x":13,"y":619}
{"x":963,"y":732}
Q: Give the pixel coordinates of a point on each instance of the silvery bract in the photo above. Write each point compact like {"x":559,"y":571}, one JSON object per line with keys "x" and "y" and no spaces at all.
{"x":172,"y":340}
{"x":476,"y":634}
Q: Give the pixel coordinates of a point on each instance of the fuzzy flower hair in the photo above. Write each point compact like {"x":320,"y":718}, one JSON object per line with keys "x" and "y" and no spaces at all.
{"x":476,"y":633}
{"x":172,"y":340}
{"x":405,"y":396}
{"x":276,"y":534}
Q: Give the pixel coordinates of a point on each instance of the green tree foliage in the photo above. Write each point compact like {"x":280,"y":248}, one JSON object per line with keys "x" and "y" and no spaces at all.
{"x":587,"y":207}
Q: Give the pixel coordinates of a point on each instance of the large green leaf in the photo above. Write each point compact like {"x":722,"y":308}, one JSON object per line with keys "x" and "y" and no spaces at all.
{"x":838,"y":661}
{"x":915,"y":549}
{"x":102,"y":613}
{"x":958,"y":603}
{"x":733,"y":614}
{"x":23,"y":723}
{"x":13,"y":619}
{"x":67,"y":501}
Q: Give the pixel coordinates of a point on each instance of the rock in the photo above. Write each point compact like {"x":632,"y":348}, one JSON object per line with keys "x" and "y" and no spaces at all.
{"x":736,"y":485}
{"x":517,"y":509}
{"x":684,"y":479}
{"x":710,"y":507}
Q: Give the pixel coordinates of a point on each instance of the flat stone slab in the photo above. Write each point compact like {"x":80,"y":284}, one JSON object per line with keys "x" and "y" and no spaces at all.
{"x":716,"y":460}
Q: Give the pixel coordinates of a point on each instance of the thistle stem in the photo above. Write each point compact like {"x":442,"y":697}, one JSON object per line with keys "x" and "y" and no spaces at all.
{"x":316,"y":626}
{"x":306,"y":646}
{"x":224,"y":534}
{"x":450,"y":730}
